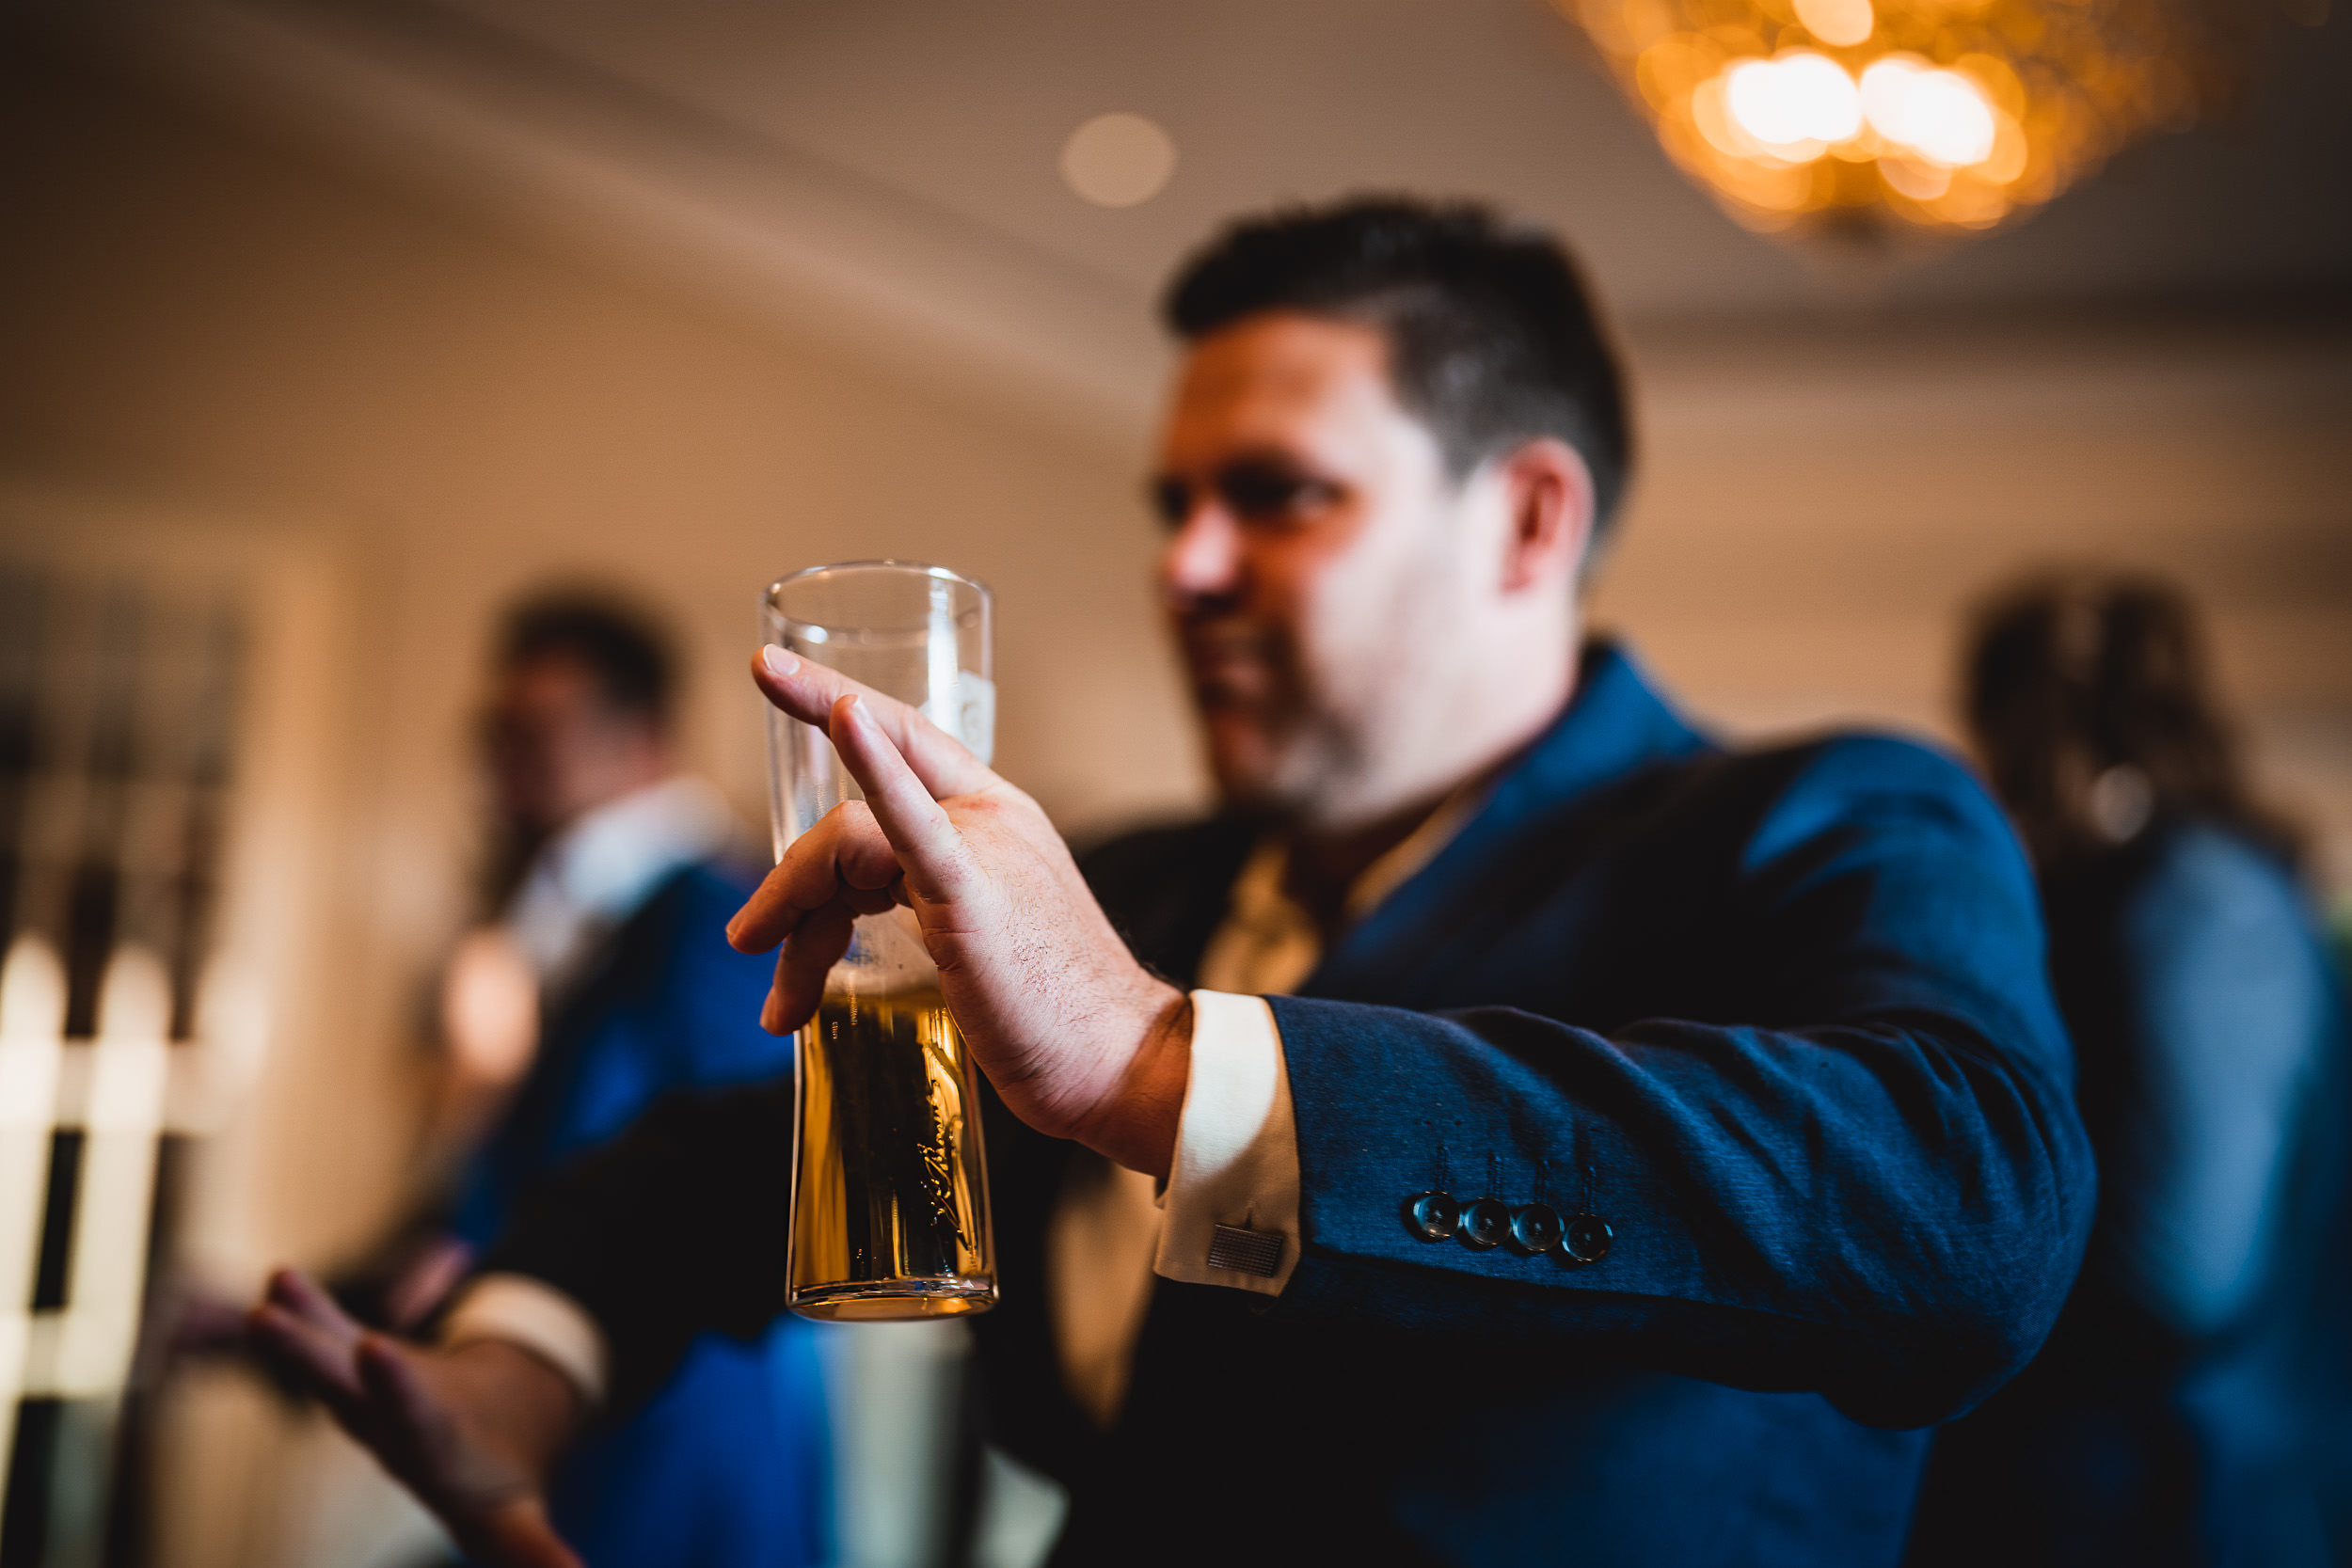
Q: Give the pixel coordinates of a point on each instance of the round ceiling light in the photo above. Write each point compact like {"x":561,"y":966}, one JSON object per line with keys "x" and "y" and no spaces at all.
{"x":1117,"y":160}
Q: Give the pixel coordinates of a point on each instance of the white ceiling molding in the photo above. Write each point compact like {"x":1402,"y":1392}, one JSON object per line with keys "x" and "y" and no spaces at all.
{"x":529,"y":138}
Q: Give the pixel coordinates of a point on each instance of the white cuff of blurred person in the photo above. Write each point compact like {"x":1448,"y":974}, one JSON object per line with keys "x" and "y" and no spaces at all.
{"x":537,"y":1318}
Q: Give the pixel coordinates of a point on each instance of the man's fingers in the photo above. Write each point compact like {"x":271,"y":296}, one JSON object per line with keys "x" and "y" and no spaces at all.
{"x":414,"y":1426}
{"x":321,"y":1361}
{"x":929,"y":849}
{"x":809,"y":953}
{"x":297,"y":1293}
{"x":845,"y":858}
{"x":809,"y":692}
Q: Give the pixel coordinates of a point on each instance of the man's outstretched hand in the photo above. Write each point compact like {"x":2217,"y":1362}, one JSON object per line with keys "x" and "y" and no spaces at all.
{"x":1081,"y":1040}
{"x":472,"y":1432}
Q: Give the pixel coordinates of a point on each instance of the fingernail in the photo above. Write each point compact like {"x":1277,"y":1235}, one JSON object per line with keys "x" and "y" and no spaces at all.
{"x":779,"y":661}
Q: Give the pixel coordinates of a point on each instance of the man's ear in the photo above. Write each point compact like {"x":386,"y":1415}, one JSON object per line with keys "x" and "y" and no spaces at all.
{"x":1549,"y":492}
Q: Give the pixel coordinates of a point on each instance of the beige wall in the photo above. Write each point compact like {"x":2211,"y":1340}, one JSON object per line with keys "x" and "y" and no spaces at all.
{"x":1820,"y":508}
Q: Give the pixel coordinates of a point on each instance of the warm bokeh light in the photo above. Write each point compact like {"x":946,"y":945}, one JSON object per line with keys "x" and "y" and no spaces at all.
{"x":1797,"y":105}
{"x":1941,"y":115}
{"x":1936,"y":114}
{"x":1839,"y":23}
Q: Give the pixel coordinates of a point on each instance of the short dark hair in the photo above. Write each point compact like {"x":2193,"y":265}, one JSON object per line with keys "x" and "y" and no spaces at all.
{"x":1492,"y":338}
{"x":621,"y":646}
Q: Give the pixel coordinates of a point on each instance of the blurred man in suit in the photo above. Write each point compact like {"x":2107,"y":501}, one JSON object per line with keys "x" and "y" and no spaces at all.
{"x":1580,"y":1142}
{"x":604,"y":982}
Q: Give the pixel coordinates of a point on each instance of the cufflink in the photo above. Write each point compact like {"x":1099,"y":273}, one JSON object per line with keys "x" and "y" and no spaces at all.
{"x":1258,"y":1253}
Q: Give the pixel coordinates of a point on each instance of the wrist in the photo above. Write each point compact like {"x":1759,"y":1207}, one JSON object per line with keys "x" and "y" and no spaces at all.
{"x":525,"y":1408}
{"x":1135,"y":1127}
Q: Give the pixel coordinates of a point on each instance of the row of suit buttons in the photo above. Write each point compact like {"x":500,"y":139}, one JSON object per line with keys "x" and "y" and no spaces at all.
{"x":1489,"y":1222}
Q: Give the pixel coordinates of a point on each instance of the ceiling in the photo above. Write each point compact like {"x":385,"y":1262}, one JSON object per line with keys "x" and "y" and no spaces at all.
{"x":902,"y":156}
{"x":965,"y":106}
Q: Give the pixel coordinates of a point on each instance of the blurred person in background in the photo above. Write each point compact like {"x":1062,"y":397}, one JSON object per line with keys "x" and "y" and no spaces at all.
{"x":2189,"y":1405}
{"x":605,"y":981}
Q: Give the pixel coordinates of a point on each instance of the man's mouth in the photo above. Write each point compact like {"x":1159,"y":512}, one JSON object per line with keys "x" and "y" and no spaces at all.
{"x":1228,"y":664}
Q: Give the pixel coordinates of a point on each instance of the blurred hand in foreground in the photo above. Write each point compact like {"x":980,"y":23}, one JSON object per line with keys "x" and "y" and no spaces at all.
{"x":1080,"y":1040}
{"x":472,"y":1432}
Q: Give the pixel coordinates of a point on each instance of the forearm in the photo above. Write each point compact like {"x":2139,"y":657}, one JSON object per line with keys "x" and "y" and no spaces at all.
{"x":1889,"y":1213}
{"x":524,"y":1408}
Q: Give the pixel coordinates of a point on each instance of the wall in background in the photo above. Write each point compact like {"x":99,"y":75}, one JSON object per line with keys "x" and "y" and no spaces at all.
{"x":1819,"y":508}
{"x":201,"y":323}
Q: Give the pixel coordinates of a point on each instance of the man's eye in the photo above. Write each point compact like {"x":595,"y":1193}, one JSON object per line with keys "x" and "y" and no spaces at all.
{"x":1273,"y":497}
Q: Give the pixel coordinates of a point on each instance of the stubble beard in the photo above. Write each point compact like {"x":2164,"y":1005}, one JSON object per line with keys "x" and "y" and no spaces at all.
{"x":1282,"y":744}
{"x":1293,"y":772}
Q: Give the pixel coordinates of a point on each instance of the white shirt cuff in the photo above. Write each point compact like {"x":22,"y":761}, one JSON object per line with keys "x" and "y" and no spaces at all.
{"x":538,"y":1318}
{"x":1233,"y":1192}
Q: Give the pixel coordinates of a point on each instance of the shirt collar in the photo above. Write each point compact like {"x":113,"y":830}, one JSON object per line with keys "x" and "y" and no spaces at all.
{"x":596,"y":873}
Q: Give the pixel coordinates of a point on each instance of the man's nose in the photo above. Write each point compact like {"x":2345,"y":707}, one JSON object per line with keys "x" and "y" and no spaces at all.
{"x":1203,"y":556}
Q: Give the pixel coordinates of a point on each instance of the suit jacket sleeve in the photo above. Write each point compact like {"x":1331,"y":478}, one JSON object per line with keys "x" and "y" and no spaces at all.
{"x":1879,"y":1189}
{"x":677,"y":1227}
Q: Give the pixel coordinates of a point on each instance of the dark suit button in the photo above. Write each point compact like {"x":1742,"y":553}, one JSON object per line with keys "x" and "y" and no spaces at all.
{"x":1485,"y":1222}
{"x":1536,"y":1228}
{"x":1432,"y":1216}
{"x":1588,"y":1240}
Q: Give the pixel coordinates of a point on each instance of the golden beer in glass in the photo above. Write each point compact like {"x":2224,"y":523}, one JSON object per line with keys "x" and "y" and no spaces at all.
{"x":890,"y":1216}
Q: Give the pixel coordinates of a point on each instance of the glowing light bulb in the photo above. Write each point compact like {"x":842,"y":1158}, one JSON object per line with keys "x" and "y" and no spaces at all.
{"x":1837,"y":22}
{"x":1940,"y":114}
{"x":1795,"y":105}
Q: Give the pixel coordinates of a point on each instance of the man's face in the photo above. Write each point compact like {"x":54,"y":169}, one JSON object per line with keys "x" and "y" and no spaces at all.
{"x":558,"y":748}
{"x":1311,"y":555}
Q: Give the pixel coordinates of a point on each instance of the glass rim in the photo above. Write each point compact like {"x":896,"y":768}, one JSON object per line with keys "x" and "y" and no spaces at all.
{"x":922,"y":568}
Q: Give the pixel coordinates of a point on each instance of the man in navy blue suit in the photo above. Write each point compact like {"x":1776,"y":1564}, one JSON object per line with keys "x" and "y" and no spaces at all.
{"x":1513,"y":1128}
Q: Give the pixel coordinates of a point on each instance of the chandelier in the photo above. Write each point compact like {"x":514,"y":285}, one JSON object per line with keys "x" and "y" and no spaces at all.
{"x":1907,"y":114}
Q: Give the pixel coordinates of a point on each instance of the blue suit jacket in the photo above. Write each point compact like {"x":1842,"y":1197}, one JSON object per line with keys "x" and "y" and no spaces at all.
{"x":725,"y":1465}
{"x":1779,"y":1017}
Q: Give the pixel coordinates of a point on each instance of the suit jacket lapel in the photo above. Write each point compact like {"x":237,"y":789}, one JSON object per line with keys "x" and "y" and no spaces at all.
{"x":1616,"y":724}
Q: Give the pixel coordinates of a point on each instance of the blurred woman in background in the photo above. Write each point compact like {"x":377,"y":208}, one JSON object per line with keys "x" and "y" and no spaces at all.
{"x":2185,"y":1408}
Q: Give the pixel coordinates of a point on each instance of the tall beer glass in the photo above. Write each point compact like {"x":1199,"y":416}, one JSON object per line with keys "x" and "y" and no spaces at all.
{"x":890,"y":1214}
